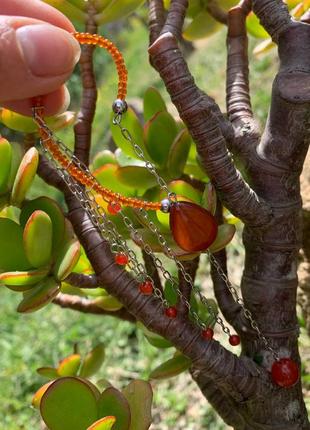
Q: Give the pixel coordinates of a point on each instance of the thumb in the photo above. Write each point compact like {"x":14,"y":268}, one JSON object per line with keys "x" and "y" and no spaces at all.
{"x":39,"y":57}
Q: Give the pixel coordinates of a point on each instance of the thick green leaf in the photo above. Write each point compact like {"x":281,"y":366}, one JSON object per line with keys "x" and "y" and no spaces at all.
{"x":183,"y":189}
{"x":207,"y":313}
{"x":80,"y":4}
{"x":225,"y":233}
{"x":208,"y":200}
{"x":17,"y":156}
{"x":152,"y":103}
{"x":105,"y":423}
{"x":23,"y":278}
{"x":159,"y":134}
{"x":125,"y":160}
{"x":263,"y":47}
{"x":109,"y":303}
{"x":37,"y":237}
{"x":194,"y":7}
{"x":170,"y":292}
{"x":106,"y":175}
{"x":137,"y":177}
{"x":153,"y":338}
{"x":5,"y":164}
{"x":140,"y":396}
{"x":178,"y":153}
{"x":103,"y":157}
{"x":39,"y":296}
{"x":70,"y":365}
{"x":176,"y":365}
{"x":203,"y":25}
{"x":12,"y":254}
{"x":48,"y":372}
{"x":69,"y":403}
{"x":113,"y":402}
{"x":255,"y":28}
{"x":132,"y":123}
{"x":68,"y":9}
{"x":55,"y":213}
{"x":93,"y":361}
{"x":114,"y":11}
{"x":36,"y":400}
{"x":67,"y":259}
{"x":24,"y":176}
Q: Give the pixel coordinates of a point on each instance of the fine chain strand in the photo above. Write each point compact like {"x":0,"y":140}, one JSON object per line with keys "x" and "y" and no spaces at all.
{"x":162,"y":241}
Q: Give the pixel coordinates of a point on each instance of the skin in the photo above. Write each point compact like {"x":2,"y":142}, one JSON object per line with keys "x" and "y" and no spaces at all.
{"x":40,"y":54}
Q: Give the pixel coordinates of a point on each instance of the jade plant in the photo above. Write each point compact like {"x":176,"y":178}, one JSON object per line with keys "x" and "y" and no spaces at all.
{"x":52,"y":252}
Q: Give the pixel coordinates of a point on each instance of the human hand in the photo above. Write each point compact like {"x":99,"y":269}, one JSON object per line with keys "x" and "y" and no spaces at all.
{"x":37,"y":56}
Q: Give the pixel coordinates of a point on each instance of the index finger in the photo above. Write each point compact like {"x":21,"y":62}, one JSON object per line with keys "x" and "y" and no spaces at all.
{"x":35,"y":9}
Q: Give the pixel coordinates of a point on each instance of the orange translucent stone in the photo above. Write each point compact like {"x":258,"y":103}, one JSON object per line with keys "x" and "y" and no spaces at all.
{"x":193,"y":228}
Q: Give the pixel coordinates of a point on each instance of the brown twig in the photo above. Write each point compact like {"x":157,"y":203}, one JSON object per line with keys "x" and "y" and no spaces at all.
{"x":175,"y":18}
{"x":216,"y":12}
{"x":81,"y":280}
{"x":50,"y":175}
{"x":273,"y":15}
{"x":185,"y":288}
{"x":151,"y":270}
{"x":156,"y":18}
{"x":87,"y":306}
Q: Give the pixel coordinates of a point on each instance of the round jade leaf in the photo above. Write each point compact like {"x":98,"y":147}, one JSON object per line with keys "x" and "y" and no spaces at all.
{"x":203,"y":25}
{"x":152,"y":103}
{"x":113,"y":402}
{"x":12,"y":255}
{"x":69,"y":403}
{"x":6,"y":159}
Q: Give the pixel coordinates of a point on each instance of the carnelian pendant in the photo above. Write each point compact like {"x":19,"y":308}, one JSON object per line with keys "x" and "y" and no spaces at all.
{"x":193,"y":227}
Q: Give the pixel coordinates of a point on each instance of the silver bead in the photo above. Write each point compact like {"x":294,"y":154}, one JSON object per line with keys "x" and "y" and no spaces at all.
{"x":119,"y":106}
{"x":165,"y":206}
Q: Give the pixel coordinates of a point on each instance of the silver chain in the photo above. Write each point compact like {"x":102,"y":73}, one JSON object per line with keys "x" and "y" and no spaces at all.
{"x":162,"y":241}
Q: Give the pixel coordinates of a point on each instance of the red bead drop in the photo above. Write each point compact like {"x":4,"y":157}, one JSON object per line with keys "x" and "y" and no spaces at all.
{"x":207,"y":333}
{"x":171,"y":312}
{"x":284,"y":372}
{"x":193,"y":227}
{"x":114,"y":208}
{"x":234,"y":340}
{"x":146,"y":288}
{"x":121,"y":259}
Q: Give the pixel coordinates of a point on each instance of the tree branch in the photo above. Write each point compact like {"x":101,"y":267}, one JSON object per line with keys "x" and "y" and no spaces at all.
{"x":83,"y":126}
{"x":175,"y":19}
{"x":156,"y":18}
{"x":185,"y":288}
{"x":87,"y":306}
{"x":151,"y":270}
{"x":50,"y":175}
{"x":198,"y":113}
{"x":81,"y":280}
{"x":273,"y":15}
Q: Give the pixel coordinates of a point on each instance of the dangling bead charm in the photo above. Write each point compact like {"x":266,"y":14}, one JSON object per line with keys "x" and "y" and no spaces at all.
{"x":146,"y":288}
{"x":234,"y":340}
{"x":171,"y":312}
{"x":207,"y":333}
{"x":193,"y":228}
{"x":284,"y":372}
{"x":114,"y":208}
{"x":121,"y":259}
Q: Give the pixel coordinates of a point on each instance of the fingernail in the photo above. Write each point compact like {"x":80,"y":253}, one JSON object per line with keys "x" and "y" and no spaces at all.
{"x":48,"y":51}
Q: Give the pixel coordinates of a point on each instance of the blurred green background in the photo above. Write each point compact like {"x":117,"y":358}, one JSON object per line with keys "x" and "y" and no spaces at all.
{"x":42,"y":338}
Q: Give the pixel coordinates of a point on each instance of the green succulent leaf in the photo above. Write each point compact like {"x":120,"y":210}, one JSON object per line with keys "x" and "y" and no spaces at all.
{"x":178,"y":153}
{"x":173,"y":367}
{"x":36,"y":400}
{"x":109,"y":303}
{"x":132,"y":123}
{"x":152,"y":103}
{"x":209,"y":198}
{"x":203,"y":25}
{"x":12,"y":254}
{"x":105,"y":423}
{"x":69,"y":403}
{"x":153,"y":338}
{"x":93,"y":361}
{"x":136,"y":177}
{"x":48,"y":372}
{"x":113,"y":402}
{"x":80,"y":4}
{"x":70,"y":365}
{"x":255,"y":28}
{"x":107,"y":176}
{"x":102,"y":158}
{"x":114,"y":11}
{"x":208,"y":313}
{"x":183,"y":189}
{"x":159,"y":134}
{"x":67,"y":259}
{"x":17,"y":156}
{"x":140,"y":396}
{"x":70,"y":10}
{"x":39,"y":296}
{"x":5,"y":164}
{"x":24,"y":176}
{"x":125,"y":160}
{"x":225,"y":233}
{"x":37,"y":237}
{"x":24,"y":278}
{"x":55,"y":213}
